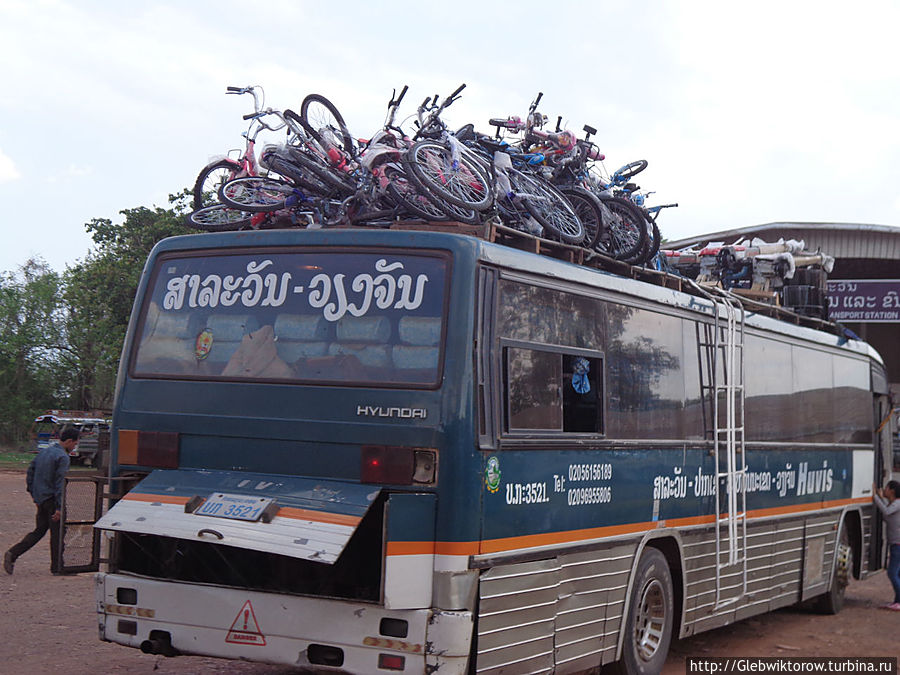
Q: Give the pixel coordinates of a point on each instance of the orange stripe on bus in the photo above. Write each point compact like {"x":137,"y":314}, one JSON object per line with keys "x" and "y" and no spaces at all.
{"x":566,"y":537}
{"x":803,"y":508}
{"x":162,"y":499}
{"x":318,"y":516}
{"x":410,"y":548}
{"x":574,"y":536}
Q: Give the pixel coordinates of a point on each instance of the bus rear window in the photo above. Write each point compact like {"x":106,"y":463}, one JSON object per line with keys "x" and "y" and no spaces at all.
{"x":298,"y":316}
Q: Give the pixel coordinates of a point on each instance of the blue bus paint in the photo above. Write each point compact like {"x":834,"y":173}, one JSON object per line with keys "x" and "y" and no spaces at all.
{"x":545,"y":492}
{"x":406,"y":522}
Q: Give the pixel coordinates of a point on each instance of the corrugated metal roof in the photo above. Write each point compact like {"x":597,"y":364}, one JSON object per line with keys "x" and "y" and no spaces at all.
{"x":841,"y":240}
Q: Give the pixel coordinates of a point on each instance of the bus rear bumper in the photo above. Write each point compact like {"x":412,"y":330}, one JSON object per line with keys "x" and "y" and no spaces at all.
{"x":180,"y":618}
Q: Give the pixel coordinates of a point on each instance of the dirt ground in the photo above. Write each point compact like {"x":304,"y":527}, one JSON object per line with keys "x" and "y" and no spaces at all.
{"x":48,"y":622}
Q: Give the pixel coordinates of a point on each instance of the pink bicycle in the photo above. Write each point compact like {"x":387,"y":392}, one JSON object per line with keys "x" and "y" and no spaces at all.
{"x":224,"y":169}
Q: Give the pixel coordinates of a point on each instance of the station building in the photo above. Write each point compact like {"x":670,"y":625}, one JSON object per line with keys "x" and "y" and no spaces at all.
{"x":863,"y":287}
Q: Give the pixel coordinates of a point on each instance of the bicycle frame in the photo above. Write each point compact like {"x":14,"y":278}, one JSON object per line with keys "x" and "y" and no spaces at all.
{"x":246,"y":163}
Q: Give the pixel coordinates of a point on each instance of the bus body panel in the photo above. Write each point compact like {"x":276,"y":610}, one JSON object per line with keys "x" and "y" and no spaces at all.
{"x":241,"y":624}
{"x":529,"y":536}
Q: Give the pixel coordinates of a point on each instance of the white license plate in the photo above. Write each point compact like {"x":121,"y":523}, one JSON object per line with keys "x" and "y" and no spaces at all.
{"x":236,"y":507}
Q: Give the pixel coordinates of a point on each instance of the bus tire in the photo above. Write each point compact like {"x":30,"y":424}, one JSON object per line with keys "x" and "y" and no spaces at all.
{"x":832,"y":601}
{"x":651,"y":609}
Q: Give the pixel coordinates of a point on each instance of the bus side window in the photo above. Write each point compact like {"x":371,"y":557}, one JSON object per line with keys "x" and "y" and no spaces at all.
{"x":553,"y":391}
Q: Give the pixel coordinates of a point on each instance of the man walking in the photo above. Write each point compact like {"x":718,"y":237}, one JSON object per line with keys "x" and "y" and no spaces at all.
{"x":45,"y":478}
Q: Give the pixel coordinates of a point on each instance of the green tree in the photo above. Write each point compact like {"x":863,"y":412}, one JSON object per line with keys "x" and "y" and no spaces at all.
{"x":32,"y":335}
{"x":99,"y":293}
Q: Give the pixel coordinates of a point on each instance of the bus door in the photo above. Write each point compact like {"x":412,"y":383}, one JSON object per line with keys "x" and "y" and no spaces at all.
{"x":82,"y":506}
{"x":883,"y":460}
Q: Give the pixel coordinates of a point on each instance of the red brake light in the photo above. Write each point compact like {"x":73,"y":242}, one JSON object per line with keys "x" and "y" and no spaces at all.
{"x":397,"y":465}
{"x":391,"y":662}
{"x":382,"y":464}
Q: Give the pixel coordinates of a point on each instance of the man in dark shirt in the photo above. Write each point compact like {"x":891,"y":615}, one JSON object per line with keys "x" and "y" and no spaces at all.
{"x":888,"y":502}
{"x":45,"y":478}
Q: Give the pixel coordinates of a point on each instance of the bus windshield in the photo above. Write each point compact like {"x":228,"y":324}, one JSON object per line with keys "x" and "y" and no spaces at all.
{"x":301,"y":315}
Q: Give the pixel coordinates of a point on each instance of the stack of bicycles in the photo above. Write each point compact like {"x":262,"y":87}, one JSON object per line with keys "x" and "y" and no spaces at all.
{"x":549,"y":184}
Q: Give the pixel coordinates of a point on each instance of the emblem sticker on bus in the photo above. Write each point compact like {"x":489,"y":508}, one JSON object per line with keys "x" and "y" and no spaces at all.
{"x":203,"y":344}
{"x":492,"y":475}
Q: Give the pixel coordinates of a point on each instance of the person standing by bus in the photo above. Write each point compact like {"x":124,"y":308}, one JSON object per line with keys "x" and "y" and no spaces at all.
{"x":44,"y":480}
{"x":888,"y":503}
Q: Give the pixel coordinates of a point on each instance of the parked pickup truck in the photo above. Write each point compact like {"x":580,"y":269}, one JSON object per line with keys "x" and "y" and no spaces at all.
{"x":91,"y":425}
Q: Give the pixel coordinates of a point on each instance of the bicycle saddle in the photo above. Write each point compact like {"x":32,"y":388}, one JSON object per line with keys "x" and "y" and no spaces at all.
{"x":466,"y":133}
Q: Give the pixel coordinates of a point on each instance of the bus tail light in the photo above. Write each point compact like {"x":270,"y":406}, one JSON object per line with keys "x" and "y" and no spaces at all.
{"x":397,"y":465}
{"x":158,"y":449}
{"x":391,"y":662}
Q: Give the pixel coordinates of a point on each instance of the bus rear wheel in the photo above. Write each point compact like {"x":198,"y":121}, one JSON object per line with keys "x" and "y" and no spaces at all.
{"x":648,"y":628}
{"x":832,"y":601}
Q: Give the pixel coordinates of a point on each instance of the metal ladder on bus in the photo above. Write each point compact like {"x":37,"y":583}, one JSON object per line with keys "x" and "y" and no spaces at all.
{"x":723,"y":343}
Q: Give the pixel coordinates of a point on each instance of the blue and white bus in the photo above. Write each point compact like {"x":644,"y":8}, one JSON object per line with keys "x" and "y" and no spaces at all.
{"x":376,"y":450}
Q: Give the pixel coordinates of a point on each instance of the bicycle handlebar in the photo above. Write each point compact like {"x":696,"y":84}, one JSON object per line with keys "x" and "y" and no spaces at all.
{"x":564,"y":140}
{"x":511,"y":123}
{"x":426,"y":124}
{"x":260,"y":114}
{"x":256,"y":91}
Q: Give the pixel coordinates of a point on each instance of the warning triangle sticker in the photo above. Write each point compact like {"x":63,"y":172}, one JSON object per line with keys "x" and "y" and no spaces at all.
{"x":245,"y":630}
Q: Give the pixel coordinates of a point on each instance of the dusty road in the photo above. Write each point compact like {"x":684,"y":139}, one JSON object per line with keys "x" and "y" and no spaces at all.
{"x":48,"y":623}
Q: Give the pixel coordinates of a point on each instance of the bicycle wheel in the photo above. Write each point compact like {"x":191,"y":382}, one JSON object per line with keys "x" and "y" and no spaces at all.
{"x":430,"y":165}
{"x":548,"y":206}
{"x":210,"y":179}
{"x":404,"y":193}
{"x":321,"y":119}
{"x":256,"y":194}
{"x":629,"y":171}
{"x":443,"y":209}
{"x":651,"y":245}
{"x":219,"y":218}
{"x":459,"y":213}
{"x":627,"y":232}
{"x":655,"y":239}
{"x":589,"y":211}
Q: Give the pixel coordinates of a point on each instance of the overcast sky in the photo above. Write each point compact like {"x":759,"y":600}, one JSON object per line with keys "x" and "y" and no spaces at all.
{"x":748,"y":113}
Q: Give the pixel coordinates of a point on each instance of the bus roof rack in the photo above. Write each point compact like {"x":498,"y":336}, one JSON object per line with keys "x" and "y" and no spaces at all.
{"x":766,"y":301}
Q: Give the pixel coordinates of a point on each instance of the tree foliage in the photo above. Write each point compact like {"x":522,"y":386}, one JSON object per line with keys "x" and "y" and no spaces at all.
{"x":61,"y":335}
{"x":31,"y":336}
